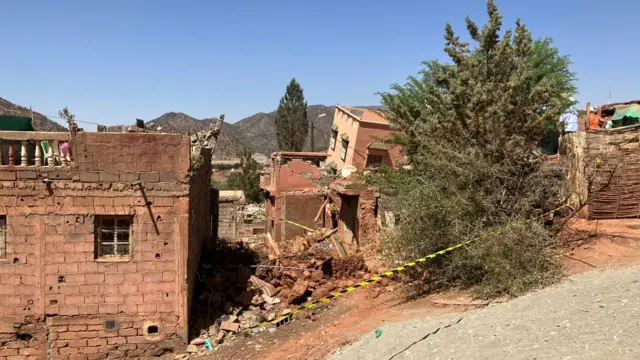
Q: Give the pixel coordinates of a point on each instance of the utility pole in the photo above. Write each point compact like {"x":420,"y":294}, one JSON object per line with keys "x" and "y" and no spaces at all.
{"x":312,"y":142}
{"x":312,"y":126}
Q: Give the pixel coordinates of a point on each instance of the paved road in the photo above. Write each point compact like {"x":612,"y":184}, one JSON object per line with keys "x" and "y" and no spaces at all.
{"x":590,"y":316}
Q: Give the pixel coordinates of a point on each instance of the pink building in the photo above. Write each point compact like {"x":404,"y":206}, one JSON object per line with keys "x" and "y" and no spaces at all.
{"x":359,"y":138}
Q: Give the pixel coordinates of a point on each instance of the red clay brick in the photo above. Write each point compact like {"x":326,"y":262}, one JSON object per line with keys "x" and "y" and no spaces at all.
{"x":96,"y":342}
{"x":107,"y":308}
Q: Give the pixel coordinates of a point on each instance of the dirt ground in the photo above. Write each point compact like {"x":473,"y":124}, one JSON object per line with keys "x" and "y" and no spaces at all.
{"x":589,"y":245}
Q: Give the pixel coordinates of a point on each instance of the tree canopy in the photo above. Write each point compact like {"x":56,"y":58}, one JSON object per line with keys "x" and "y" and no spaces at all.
{"x":472,"y":128}
{"x":291,"y":118}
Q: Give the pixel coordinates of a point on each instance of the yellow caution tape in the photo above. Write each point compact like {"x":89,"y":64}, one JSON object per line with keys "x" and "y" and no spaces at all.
{"x":391,"y":272}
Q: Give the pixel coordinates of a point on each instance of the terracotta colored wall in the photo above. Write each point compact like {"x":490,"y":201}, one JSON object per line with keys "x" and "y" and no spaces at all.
{"x":301,"y":209}
{"x":296,"y":175}
{"x":346,"y":125}
{"x":52,"y":287}
{"x":361,"y":134}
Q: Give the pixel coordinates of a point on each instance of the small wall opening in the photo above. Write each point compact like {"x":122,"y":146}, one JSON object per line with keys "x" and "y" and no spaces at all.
{"x":110,"y":325}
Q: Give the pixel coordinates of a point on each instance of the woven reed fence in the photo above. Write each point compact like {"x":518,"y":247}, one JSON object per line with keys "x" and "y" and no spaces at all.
{"x":611,"y":173}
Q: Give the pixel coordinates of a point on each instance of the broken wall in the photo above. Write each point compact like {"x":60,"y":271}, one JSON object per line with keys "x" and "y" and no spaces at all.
{"x":57,"y":299}
{"x":198,"y":218}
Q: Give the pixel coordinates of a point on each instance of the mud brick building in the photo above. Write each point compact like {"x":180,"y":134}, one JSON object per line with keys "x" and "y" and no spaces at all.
{"x":99,"y":250}
{"x":293,"y":184}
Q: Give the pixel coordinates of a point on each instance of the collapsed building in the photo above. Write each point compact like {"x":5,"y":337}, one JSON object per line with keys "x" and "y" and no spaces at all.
{"x":303,"y":195}
{"x":99,"y":244}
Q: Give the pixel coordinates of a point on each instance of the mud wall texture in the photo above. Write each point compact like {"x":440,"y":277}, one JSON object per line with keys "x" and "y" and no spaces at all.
{"x":61,"y":297}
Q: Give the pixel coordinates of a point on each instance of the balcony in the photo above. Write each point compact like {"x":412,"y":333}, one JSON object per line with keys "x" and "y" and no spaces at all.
{"x":27,"y":149}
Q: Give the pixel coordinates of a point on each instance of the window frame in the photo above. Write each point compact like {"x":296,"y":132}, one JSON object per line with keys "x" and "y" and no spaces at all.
{"x":3,"y":237}
{"x":343,"y":151}
{"x":98,"y":240}
{"x":333,"y":140}
{"x":374,"y":164}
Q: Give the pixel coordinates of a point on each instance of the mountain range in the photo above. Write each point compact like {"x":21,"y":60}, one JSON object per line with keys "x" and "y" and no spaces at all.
{"x":256,"y":132}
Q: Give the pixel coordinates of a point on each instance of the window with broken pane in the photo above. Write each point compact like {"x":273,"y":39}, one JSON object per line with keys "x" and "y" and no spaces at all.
{"x":3,"y":236}
{"x":113,"y":236}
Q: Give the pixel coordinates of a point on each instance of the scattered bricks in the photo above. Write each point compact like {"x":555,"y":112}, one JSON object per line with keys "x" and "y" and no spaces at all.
{"x":28,"y":174}
{"x":149,"y":177}
{"x":86,"y":177}
{"x":230,"y":326}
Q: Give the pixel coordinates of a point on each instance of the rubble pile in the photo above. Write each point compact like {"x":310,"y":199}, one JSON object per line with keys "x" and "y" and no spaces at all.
{"x":235,"y":297}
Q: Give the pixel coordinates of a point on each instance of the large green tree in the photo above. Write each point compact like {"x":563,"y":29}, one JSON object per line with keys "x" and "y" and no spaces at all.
{"x":291,"y":118}
{"x":472,"y":129}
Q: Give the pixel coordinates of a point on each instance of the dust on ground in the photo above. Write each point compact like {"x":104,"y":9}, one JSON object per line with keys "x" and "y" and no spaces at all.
{"x":589,"y":245}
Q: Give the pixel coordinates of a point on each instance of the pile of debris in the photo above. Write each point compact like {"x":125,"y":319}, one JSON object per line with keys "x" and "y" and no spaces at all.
{"x":237,"y":297}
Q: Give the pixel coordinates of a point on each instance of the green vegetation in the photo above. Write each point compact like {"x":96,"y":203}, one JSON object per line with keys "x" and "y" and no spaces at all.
{"x":247,"y":180}
{"x":472,"y":130}
{"x":291,"y":118}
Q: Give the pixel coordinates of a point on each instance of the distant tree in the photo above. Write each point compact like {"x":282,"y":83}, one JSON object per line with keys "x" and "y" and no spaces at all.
{"x":291,"y":118}
{"x":68,"y":116}
{"x":250,"y":178}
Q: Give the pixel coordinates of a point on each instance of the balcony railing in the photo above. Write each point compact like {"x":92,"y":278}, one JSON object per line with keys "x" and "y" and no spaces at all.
{"x":34,"y":149}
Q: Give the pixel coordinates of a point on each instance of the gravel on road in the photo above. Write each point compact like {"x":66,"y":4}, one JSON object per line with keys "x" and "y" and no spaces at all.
{"x":595,"y":315}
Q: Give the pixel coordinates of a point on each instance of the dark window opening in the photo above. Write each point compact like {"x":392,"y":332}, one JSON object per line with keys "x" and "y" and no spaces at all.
{"x":332,"y":140}
{"x":110,"y":325}
{"x":153,"y":330}
{"x":343,"y":153}
{"x":3,"y":236}
{"x":374,"y":161}
{"x":113,"y":236}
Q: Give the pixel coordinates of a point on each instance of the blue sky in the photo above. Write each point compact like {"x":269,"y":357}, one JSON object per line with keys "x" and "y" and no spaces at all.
{"x":113,"y":61}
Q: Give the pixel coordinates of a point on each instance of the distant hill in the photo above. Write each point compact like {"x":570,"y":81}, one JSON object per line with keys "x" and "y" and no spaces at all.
{"x":40,"y":122}
{"x":256,"y":132}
